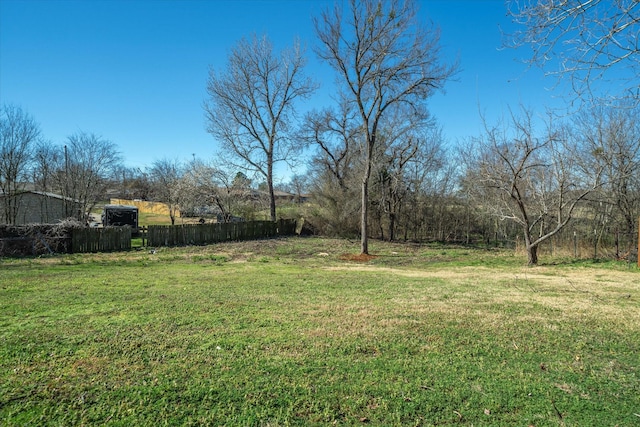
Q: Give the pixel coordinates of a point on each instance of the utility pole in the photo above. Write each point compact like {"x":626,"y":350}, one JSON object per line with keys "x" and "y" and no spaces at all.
{"x":66,"y":182}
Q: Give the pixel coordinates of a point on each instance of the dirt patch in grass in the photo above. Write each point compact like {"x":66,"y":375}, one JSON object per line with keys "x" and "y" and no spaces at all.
{"x":357,"y":257}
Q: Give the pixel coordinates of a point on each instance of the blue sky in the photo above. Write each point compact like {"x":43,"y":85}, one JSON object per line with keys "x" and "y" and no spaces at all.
{"x":135,"y":71}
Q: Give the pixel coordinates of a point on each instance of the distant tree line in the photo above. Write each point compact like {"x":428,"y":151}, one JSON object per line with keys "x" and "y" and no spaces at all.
{"x":524,"y":181}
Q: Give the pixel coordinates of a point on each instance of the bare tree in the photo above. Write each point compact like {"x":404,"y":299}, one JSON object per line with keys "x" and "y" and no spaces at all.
{"x":47,"y":159}
{"x":532,"y":180}
{"x":208,"y":185}
{"x":89,"y":164}
{"x":134,"y":183}
{"x":383,"y":57}
{"x":611,"y":135}
{"x":251,"y":106}
{"x":332,"y":133}
{"x":429,"y":179}
{"x":581,"y":39}
{"x":392,"y":186}
{"x":18,"y":136}
{"x":407,"y":146}
{"x":298,"y":186}
{"x":168,"y":185}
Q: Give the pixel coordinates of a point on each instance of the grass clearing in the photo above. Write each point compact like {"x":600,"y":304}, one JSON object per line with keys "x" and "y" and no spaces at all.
{"x":285,"y":332}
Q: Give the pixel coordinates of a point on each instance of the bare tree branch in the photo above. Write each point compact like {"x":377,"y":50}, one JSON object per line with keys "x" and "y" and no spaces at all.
{"x":585,"y":41}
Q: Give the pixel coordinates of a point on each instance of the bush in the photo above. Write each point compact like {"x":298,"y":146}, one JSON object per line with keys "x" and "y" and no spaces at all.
{"x":37,"y":239}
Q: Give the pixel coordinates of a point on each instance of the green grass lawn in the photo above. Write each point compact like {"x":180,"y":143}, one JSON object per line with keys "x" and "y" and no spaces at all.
{"x":286,"y":332}
{"x":145,"y":219}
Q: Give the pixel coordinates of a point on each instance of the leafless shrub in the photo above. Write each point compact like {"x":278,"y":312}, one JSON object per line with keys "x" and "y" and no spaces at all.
{"x":37,"y":239}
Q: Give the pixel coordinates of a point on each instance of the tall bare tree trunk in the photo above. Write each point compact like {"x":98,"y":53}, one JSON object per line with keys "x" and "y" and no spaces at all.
{"x":392,"y":226}
{"x":364,"y":238}
{"x":272,"y":197}
{"x":532,"y":255}
{"x":532,"y":249}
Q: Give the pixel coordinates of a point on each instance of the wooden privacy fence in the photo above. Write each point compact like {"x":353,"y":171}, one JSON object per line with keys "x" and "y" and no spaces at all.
{"x":48,"y":238}
{"x":203,"y":234}
{"x":100,"y":239}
